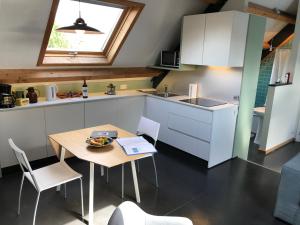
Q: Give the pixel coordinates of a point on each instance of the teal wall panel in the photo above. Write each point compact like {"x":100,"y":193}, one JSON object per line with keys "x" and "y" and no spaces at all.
{"x":256,"y":31}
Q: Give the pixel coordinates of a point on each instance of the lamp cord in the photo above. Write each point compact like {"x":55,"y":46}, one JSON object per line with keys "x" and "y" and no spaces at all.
{"x":79,"y":6}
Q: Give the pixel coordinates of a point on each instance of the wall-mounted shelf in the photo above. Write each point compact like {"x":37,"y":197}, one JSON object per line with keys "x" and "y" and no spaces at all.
{"x":181,"y":68}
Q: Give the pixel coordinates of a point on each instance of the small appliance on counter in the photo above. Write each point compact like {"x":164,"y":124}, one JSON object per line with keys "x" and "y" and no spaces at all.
{"x":32,"y":95}
{"x":111,"y":89}
{"x":7,"y":100}
{"x":51,"y":91}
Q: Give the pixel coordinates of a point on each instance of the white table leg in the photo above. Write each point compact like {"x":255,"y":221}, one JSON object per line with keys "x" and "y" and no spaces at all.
{"x":135,"y":181}
{"x":62,"y":158}
{"x":91,"y":194}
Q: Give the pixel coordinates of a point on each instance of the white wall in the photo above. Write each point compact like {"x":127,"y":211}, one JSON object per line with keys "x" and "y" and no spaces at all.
{"x":216,"y":82}
{"x":278,"y":126}
{"x":23,"y":23}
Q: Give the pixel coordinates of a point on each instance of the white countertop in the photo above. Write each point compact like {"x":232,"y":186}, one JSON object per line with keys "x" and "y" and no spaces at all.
{"x":120,"y":94}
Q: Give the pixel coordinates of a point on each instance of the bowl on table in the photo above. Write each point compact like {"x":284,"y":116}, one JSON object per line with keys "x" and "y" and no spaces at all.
{"x":99,"y":142}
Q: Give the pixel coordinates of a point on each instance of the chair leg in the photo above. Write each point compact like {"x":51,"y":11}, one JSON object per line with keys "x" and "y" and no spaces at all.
{"x":107,"y":175}
{"x":65,"y":187}
{"x":20,"y":195}
{"x":36,"y":206}
{"x":138,"y":166}
{"x":81,"y":193}
{"x":122,"y":181}
{"x":155,"y":170}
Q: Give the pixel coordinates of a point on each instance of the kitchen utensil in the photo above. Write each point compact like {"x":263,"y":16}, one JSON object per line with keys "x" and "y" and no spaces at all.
{"x":32,"y":95}
{"x":19,"y":94}
{"x":51,"y":91}
{"x":111,"y":89}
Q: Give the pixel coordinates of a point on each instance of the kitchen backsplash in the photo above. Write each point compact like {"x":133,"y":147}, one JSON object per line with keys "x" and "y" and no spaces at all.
{"x":94,"y":86}
{"x":215,"y":82}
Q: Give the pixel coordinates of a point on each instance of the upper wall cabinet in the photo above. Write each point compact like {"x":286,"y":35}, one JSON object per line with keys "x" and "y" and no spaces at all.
{"x":214,"y":39}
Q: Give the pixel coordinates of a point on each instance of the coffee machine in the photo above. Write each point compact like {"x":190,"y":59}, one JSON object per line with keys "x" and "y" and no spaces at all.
{"x":7,"y":100}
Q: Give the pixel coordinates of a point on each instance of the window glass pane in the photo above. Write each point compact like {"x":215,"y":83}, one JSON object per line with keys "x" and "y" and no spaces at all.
{"x":103,"y":18}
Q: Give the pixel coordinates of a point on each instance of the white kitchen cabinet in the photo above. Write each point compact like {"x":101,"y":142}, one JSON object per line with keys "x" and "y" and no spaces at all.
{"x":221,"y":42}
{"x":27,"y":128}
{"x":192,"y":43}
{"x":129,"y":112}
{"x":206,"y":134}
{"x":225,"y":39}
{"x":63,"y":118}
{"x":100,"y":112}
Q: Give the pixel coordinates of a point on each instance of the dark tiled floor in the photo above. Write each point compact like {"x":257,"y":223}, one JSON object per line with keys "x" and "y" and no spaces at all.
{"x":234,"y":193}
{"x":276,"y":159}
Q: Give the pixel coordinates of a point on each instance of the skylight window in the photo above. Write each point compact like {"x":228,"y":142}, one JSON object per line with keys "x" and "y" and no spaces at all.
{"x":114,"y":18}
{"x":103,"y":18}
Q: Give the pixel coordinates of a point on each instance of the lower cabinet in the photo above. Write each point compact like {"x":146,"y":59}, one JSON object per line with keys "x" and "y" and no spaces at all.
{"x":63,"y":118}
{"x":206,"y":134}
{"x":122,"y":112}
{"x":129,"y":112}
{"x":27,"y":128}
{"x":100,"y":112}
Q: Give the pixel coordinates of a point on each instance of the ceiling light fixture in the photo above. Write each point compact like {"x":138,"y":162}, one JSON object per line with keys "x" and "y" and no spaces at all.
{"x":79,"y":26}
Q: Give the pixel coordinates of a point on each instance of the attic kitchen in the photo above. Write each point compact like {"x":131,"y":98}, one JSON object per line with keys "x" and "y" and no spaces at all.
{"x":82,"y":75}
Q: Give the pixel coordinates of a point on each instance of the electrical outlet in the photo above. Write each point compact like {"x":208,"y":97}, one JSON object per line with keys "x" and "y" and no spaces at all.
{"x":123,"y":86}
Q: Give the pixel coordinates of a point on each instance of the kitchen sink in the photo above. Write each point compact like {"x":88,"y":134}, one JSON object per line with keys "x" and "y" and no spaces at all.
{"x":160,"y":94}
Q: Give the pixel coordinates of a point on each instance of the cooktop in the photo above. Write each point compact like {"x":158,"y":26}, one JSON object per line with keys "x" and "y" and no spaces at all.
{"x":203,"y":102}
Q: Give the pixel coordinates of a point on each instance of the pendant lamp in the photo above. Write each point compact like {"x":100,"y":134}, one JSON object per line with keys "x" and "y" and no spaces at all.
{"x":79,"y":26}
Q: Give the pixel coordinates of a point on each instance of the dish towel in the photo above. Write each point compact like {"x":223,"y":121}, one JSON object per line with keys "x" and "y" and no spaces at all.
{"x":280,"y":65}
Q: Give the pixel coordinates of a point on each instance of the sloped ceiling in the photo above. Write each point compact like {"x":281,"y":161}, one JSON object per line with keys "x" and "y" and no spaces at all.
{"x":23,"y":23}
{"x":272,"y":26}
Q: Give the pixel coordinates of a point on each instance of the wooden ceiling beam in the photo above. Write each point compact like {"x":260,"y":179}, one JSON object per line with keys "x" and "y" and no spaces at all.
{"x":53,"y":75}
{"x":270,"y":13}
{"x":210,"y":1}
{"x":280,"y":39}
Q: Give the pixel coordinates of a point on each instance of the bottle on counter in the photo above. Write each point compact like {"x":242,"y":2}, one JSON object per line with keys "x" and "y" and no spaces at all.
{"x":85,"y":91}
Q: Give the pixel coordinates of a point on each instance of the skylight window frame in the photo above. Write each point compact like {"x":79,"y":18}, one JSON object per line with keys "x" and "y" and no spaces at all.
{"x":131,"y":12}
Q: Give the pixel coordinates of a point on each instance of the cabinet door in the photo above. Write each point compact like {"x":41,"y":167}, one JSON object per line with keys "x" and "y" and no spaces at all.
{"x":225,"y":39}
{"x":130,"y":111}
{"x":193,"y":39}
{"x":27,"y":128}
{"x":101,"y":112}
{"x":217,"y":39}
{"x":157,"y":110}
{"x":63,"y":118}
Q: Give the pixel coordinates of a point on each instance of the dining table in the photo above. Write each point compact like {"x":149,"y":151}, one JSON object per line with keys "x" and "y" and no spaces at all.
{"x":73,"y":144}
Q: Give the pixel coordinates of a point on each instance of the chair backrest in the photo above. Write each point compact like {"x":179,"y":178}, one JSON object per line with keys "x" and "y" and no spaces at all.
{"x":148,"y":127}
{"x":23,"y":161}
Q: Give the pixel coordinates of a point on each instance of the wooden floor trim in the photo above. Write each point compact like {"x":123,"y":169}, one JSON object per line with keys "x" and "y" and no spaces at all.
{"x":268,"y":151}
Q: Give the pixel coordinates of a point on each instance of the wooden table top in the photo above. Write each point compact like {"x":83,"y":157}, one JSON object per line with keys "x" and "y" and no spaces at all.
{"x":109,"y":156}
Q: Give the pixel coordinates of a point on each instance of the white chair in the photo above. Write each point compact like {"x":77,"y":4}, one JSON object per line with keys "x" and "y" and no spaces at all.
{"x":150,"y":128}
{"x":145,"y":127}
{"x":44,"y":178}
{"x":129,"y":213}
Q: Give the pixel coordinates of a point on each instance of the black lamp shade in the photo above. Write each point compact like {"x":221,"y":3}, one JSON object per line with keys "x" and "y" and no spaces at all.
{"x":79,"y":25}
